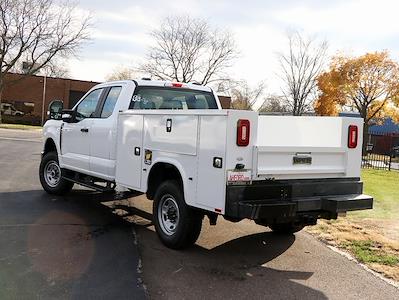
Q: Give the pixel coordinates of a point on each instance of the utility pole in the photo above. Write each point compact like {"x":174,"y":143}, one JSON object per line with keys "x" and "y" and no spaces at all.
{"x":44,"y":96}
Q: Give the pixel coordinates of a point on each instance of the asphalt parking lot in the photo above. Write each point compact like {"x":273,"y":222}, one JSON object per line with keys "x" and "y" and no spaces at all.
{"x":58,"y":247}
{"x":77,"y":247}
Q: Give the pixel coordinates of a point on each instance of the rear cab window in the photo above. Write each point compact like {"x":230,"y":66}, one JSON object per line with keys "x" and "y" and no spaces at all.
{"x":172,"y":98}
{"x":110,"y":101}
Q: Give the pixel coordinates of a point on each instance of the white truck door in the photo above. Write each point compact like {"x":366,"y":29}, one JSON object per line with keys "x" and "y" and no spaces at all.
{"x":103,"y":134}
{"x":129,"y":153}
{"x":75,"y":139}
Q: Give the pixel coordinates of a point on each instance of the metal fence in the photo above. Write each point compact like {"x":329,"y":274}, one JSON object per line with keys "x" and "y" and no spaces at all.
{"x":381,"y":151}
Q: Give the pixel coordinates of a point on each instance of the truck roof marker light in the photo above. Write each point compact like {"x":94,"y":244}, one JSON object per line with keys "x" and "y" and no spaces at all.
{"x":175,"y":84}
{"x":243,"y":132}
{"x":352,"y":136}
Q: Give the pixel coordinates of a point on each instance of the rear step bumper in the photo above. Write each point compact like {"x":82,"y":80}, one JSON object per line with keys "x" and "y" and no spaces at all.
{"x":282,"y":209}
{"x":279,"y":200}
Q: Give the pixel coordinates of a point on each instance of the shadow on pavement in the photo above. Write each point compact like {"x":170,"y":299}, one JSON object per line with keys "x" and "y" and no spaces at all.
{"x":235,"y":268}
{"x":75,"y":246}
{"x":65,"y":247}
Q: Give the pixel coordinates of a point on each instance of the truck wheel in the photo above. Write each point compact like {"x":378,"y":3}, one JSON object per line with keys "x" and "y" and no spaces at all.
{"x":286,"y":228}
{"x":50,"y":175}
{"x":177,"y":225}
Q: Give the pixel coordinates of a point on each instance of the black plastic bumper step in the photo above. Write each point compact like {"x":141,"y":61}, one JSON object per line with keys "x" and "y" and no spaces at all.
{"x":345,"y":203}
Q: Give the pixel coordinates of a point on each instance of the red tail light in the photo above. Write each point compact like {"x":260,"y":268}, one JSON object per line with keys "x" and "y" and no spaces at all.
{"x":243,"y":132}
{"x":177,"y":84}
{"x":352,"y":136}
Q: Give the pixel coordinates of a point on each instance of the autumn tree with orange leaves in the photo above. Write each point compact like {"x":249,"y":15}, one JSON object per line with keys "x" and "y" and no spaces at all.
{"x":368,"y":84}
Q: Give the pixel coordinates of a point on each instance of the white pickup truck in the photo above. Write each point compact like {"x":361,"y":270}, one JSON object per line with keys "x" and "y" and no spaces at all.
{"x":174,"y":142}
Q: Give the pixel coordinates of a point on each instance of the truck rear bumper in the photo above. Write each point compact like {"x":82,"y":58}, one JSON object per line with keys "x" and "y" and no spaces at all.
{"x":274,"y":201}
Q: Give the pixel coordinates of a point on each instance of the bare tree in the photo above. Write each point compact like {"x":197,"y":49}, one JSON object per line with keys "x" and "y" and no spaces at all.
{"x":122,"y":73}
{"x":187,"y":49}
{"x":275,"y":104}
{"x":56,"y":68}
{"x":300,"y":67}
{"x":245,"y":97}
{"x":35,"y":32}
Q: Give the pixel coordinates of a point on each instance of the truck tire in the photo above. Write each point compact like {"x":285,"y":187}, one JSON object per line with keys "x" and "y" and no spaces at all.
{"x":286,"y":228}
{"x":50,"y":175}
{"x":177,"y":225}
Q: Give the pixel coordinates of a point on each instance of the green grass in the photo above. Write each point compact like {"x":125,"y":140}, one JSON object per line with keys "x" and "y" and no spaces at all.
{"x":370,"y":235}
{"x":19,"y":126}
{"x":383,"y":186}
{"x":369,"y":252}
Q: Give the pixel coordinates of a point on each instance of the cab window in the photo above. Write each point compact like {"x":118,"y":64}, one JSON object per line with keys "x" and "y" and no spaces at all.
{"x":110,"y":101}
{"x":87,"y":107}
{"x":165,"y":98}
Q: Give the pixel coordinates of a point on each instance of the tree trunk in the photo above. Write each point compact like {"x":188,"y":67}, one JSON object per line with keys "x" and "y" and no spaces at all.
{"x":365,"y":138}
{"x":1,"y":92}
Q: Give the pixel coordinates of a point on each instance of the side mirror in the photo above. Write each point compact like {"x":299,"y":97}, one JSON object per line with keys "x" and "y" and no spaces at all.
{"x":68,"y":115}
{"x":55,"y":109}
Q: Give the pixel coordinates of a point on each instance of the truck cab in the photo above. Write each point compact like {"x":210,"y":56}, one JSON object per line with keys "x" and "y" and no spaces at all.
{"x":173,"y":142}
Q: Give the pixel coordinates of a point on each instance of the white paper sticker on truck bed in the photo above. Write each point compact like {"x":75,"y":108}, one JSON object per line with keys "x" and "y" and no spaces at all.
{"x":234,"y":176}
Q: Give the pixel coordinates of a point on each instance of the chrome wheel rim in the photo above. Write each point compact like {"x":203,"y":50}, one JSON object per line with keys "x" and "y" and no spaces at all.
{"x":52,"y":173}
{"x":168,"y":214}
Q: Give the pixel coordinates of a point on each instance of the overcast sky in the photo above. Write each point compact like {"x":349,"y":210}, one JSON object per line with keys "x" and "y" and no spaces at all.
{"x":120,"y":33}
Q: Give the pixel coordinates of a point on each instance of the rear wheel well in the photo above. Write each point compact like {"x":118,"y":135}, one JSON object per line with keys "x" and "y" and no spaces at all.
{"x":159,"y":173}
{"x":49,"y":146}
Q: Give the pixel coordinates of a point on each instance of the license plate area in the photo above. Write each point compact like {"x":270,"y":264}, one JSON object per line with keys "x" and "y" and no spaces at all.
{"x":234,"y":177}
{"x":301,"y":159}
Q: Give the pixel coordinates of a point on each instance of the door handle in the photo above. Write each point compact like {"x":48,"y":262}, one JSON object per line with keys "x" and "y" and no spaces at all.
{"x":168,"y":125}
{"x":84,"y":129}
{"x":137,"y":151}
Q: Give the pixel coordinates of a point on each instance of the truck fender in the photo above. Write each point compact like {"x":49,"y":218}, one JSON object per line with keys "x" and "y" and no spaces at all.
{"x":189,"y":199}
{"x":52,"y":133}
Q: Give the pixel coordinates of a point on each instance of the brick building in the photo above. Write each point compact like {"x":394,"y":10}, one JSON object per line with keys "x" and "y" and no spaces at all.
{"x":26,"y":95}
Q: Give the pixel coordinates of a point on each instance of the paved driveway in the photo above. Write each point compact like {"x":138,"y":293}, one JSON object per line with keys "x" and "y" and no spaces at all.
{"x":58,"y":247}
{"x":74,"y":247}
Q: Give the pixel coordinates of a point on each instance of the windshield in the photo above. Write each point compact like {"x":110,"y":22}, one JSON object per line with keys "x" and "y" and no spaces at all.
{"x":172,"y":98}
